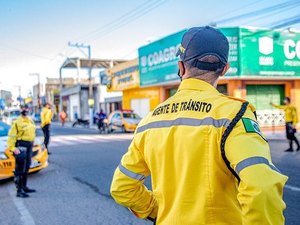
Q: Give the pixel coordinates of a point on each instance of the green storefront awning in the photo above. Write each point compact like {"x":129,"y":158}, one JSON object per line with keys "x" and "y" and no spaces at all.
{"x":252,"y":52}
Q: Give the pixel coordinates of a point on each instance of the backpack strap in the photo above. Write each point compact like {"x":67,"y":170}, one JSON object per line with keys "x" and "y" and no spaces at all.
{"x":228,"y":130}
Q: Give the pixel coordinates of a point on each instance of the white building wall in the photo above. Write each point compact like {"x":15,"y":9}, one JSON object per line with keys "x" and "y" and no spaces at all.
{"x":74,"y":106}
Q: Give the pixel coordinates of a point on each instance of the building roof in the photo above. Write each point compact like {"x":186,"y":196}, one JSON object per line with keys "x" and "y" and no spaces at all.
{"x":95,"y":63}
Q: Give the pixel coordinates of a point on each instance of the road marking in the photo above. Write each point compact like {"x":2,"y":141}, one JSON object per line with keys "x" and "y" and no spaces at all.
{"x":86,"y":139}
{"x":292,"y":188}
{"x":26,"y":218}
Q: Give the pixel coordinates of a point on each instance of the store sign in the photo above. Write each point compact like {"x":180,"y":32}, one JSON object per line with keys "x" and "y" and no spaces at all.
{"x":252,"y":52}
{"x":123,"y":79}
{"x":158,"y":61}
{"x":126,"y":81}
{"x":269,"y":53}
{"x":232,"y":35}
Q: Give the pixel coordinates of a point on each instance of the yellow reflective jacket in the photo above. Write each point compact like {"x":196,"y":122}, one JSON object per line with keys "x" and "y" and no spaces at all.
{"x":290,"y":113}
{"x":178,"y":144}
{"x":21,"y":129}
{"x":46,"y":116}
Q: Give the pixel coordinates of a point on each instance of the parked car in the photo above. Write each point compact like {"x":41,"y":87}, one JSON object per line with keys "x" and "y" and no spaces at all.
{"x":123,"y":120}
{"x":7,"y":161}
{"x":10,"y":116}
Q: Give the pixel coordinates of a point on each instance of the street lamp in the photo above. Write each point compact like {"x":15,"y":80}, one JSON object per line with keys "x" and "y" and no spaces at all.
{"x":39,"y":88}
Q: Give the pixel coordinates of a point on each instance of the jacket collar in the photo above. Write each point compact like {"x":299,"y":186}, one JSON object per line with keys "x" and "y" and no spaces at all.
{"x":196,"y":84}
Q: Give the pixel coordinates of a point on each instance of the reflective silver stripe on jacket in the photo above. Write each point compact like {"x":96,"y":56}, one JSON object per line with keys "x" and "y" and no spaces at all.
{"x":131,"y":174}
{"x":186,"y":122}
{"x":253,"y":161}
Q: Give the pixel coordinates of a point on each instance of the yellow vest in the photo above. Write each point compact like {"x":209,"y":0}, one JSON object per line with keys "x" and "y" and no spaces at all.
{"x":46,"y":116}
{"x":178,"y":144}
{"x":21,"y":129}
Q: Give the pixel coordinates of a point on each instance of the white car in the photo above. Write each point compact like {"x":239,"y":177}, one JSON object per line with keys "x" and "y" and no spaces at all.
{"x":10,"y":115}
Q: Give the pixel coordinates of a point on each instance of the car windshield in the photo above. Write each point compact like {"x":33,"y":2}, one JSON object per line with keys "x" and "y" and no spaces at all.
{"x":131,"y":115}
{"x":4,"y":128}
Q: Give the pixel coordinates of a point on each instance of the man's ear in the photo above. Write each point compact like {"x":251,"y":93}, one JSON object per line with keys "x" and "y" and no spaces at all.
{"x":225,"y":69}
{"x":181,"y":68}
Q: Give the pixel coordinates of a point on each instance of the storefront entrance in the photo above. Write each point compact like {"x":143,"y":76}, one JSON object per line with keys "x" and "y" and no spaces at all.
{"x":261,"y":96}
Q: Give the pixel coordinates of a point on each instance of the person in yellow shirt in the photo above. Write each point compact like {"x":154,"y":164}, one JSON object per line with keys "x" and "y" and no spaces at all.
{"x":20,"y":141}
{"x":291,"y":119}
{"x":46,"y":117}
{"x":208,"y":160}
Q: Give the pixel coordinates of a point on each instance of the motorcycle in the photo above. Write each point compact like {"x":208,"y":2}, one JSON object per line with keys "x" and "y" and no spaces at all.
{"x":84,"y":123}
{"x":103,"y":126}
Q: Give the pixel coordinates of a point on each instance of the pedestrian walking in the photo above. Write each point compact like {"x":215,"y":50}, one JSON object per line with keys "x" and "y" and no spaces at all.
{"x":63,"y":117}
{"x":20,"y":141}
{"x":208,"y":160}
{"x":46,"y":117}
{"x":291,"y":119}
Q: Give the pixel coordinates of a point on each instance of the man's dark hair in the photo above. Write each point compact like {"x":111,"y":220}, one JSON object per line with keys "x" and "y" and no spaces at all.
{"x":288,"y":99}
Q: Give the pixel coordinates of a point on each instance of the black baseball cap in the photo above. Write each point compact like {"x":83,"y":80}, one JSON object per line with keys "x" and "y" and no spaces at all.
{"x":198,"y":42}
{"x":24,"y":106}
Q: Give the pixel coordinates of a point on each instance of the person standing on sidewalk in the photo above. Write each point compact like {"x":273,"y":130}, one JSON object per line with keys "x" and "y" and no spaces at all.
{"x":208,"y":160}
{"x":291,"y":119}
{"x":46,"y":117}
{"x":20,"y":141}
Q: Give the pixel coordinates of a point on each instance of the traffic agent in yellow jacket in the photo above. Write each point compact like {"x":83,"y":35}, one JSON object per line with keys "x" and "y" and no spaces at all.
{"x":290,"y":113}
{"x":178,"y":144}
{"x":46,"y":116}
{"x":22,"y":129}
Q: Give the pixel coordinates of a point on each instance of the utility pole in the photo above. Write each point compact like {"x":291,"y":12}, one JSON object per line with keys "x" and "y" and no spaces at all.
{"x":91,"y":98}
{"x":39,"y":89}
{"x":19,"y":97}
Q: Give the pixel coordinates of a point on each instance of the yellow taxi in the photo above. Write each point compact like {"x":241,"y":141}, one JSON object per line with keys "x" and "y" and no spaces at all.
{"x":7,"y":161}
{"x":123,"y":120}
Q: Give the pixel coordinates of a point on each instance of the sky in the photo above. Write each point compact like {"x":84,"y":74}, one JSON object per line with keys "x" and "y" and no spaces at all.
{"x":34,"y":34}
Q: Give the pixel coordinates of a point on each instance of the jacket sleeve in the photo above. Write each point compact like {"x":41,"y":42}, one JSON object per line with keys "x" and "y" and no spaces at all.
{"x":261,"y":184}
{"x":12,"y":137}
{"x":128,"y":187}
{"x":278,"y":106}
{"x":295,"y":116}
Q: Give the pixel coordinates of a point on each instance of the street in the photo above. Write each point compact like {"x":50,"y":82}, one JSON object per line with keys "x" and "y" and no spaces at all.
{"x":74,"y":189}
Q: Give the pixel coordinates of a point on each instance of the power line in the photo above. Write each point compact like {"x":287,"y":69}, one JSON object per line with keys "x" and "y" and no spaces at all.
{"x":237,"y":9}
{"x":272,"y":14}
{"x":261,"y":11}
{"x":117,"y":23}
{"x":127,"y":21}
{"x":139,"y":10}
{"x":288,"y":22}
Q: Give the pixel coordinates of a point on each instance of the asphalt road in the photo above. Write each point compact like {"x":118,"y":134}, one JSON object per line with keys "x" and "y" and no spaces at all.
{"x":74,"y":189}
